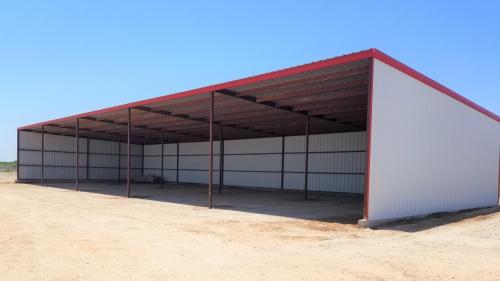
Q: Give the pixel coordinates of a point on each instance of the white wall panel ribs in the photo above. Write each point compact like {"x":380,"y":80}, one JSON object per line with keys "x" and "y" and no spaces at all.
{"x":429,"y":152}
{"x":59,"y":158}
{"x":336,"y":162}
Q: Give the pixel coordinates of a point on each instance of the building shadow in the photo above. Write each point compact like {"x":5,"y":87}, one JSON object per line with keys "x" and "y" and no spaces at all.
{"x":323,"y":207}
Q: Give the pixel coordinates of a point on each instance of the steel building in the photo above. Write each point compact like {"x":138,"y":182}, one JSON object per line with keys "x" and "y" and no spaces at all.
{"x":361,"y":123}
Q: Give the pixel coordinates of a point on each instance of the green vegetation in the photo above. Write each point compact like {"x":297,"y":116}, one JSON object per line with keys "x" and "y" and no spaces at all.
{"x":8,"y":166}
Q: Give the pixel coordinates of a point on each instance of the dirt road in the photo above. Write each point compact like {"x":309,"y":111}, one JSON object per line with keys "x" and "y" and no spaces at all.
{"x":55,"y":234}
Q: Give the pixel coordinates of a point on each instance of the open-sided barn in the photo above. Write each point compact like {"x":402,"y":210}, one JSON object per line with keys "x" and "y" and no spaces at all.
{"x":361,"y":123}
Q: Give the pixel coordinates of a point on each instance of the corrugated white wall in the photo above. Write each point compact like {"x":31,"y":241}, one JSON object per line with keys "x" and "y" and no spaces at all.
{"x":336,"y":162}
{"x":59,"y":158}
{"x":429,"y":152}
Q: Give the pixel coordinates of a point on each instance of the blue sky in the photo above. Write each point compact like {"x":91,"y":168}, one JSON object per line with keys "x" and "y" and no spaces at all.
{"x":64,"y":57}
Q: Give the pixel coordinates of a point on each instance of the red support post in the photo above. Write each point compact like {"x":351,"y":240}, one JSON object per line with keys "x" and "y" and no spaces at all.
{"x":77,"y":154}
{"x":162,"y":155}
{"x":211,"y":149}
{"x":221,"y":160}
{"x":282,"y":182}
{"x":43,"y":152}
{"x":306,"y":168}
{"x":128,"y":153}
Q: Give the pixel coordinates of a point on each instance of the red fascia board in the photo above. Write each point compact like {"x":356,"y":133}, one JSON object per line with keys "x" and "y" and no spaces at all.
{"x":428,"y":81}
{"x":370,"y":53}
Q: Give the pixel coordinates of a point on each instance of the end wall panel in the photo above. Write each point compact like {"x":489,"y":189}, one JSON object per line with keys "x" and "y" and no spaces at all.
{"x":429,"y":152}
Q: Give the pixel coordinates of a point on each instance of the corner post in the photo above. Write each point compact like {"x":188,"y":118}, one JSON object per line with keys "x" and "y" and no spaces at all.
{"x":211,"y":150}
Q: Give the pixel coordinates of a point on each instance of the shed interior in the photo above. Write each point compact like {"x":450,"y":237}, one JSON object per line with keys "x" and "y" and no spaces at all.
{"x":302,"y":129}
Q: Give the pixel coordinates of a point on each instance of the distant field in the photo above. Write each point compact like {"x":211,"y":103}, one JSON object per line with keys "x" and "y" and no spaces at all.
{"x":8,"y":166}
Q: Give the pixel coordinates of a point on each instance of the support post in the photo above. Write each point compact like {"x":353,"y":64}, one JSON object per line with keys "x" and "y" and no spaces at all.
{"x":211,"y":150}
{"x":87,"y":162}
{"x":43,"y":152}
{"x":128,"y":152}
{"x":177,"y":164}
{"x":162,"y":155}
{"x":17,"y":163}
{"x":142,"y":163}
{"x":119,"y":159}
{"x":77,"y":154}
{"x":282,"y":182}
{"x":306,"y":168}
{"x":221,"y":160}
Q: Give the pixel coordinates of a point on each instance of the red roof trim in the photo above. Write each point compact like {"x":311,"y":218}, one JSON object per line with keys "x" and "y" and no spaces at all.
{"x":370,"y":53}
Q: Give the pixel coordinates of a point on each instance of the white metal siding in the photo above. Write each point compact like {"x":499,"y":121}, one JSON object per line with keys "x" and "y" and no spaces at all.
{"x":250,"y":162}
{"x":336,"y":162}
{"x":59,"y":158}
{"x":429,"y":152}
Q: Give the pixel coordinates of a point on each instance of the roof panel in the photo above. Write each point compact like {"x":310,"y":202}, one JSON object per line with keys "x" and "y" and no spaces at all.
{"x":332,"y":91}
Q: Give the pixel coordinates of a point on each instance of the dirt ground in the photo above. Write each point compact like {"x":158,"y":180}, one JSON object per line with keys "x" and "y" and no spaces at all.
{"x":57,"y":234}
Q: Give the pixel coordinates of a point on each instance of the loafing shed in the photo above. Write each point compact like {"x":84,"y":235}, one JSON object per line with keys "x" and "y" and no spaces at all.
{"x":361,"y":123}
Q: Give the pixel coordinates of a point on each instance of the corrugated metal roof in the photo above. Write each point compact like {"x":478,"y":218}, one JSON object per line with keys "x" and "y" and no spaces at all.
{"x":333,"y":91}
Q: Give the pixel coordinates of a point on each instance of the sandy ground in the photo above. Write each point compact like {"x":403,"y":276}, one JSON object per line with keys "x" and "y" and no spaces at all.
{"x":56,"y":234}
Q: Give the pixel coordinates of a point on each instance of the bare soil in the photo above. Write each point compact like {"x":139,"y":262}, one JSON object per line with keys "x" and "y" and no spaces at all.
{"x":57,"y":234}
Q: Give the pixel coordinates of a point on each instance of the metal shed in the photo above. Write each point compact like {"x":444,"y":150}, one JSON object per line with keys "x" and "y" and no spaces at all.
{"x":361,"y":123}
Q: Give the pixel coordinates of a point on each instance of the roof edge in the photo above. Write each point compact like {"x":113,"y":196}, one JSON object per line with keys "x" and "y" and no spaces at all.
{"x":234,"y":83}
{"x":369,"y":53}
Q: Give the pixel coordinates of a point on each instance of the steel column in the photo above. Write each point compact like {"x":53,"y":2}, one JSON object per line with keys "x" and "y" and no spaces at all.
{"x":177,"y":164}
{"x":162,"y":154}
{"x":221,"y":160}
{"x":119,"y":159}
{"x":87,"y":162}
{"x":128,"y":152}
{"x":42,"y":150}
{"x":306,"y":168}
{"x":77,"y":154}
{"x":142,"y":163}
{"x":211,"y":150}
{"x":17,"y":163}
{"x":282,"y":162}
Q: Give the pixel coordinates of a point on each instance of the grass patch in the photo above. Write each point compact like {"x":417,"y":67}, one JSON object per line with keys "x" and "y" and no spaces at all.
{"x":8,"y":166}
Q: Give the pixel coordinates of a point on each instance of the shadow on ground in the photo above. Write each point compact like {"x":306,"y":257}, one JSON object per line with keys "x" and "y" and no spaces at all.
{"x":334,"y":208}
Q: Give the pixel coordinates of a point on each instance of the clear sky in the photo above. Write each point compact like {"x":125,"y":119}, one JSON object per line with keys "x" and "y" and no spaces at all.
{"x":64,"y":57}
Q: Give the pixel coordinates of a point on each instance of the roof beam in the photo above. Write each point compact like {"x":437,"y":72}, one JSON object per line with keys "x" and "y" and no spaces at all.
{"x":200,"y":119}
{"x":95,"y":131}
{"x":271,"y":104}
{"x":309,"y":80}
{"x":143,"y":127}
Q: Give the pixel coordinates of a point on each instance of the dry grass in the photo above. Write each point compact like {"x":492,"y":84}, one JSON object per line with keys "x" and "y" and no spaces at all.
{"x":57,"y":234}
